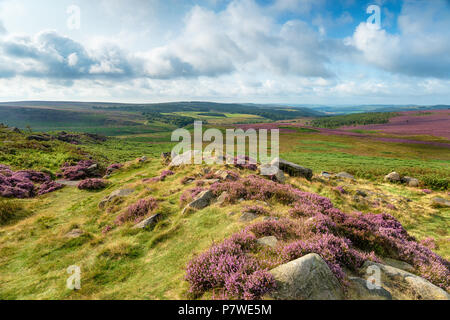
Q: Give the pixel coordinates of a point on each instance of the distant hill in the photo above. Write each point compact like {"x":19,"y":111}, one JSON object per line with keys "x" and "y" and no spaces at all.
{"x":340,"y":110}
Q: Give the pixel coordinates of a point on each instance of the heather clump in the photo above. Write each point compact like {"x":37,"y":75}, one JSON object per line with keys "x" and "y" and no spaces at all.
{"x":20,"y":184}
{"x":283,"y":229}
{"x":92,"y":184}
{"x":245,"y":163}
{"x":229,"y":269}
{"x":82,"y":170}
{"x":136,"y":212}
{"x":162,"y":176}
{"x":113,"y":167}
{"x":48,"y":187}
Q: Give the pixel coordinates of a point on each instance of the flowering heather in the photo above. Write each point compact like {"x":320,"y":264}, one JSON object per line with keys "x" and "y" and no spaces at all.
{"x":245,"y":163}
{"x":343,"y":240}
{"x":107,"y":229}
{"x":189,"y":195}
{"x":257,"y":188}
{"x":429,"y":242}
{"x":136,"y":212}
{"x":162,"y":176}
{"x":229,"y":268}
{"x":92,"y":184}
{"x":20,"y":184}
{"x":79,"y":171}
{"x":49,"y":186}
{"x":336,"y":251}
{"x":427,"y":191}
{"x":113,"y":167}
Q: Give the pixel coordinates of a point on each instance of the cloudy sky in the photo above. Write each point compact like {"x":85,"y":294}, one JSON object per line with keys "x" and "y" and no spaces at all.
{"x":285,"y":51}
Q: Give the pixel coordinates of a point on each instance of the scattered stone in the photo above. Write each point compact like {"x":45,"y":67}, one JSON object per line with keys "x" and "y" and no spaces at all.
{"x":75,"y":233}
{"x":399,"y":264}
{"x":224,"y":175}
{"x":68,"y":182}
{"x":412,"y":182}
{"x":358,"y":290}
{"x":113,"y":195}
{"x":221,"y":199}
{"x":248,"y":216}
{"x":270,"y":241}
{"x":38,"y":138}
{"x":142,"y":159}
{"x":267,"y":218}
{"x":294,"y":170}
{"x":306,"y":278}
{"x":203,"y":200}
{"x":273,"y":172}
{"x":345,"y":175}
{"x":403,"y":283}
{"x":326,"y":174}
{"x":361,"y":193}
{"x":392,"y":177}
{"x":440,"y":202}
{"x":149,"y":222}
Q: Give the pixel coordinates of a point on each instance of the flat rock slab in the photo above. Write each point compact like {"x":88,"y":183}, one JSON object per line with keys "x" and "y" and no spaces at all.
{"x":414,"y":287}
{"x":113,"y":195}
{"x":294,"y":170}
{"x":358,"y":290}
{"x":440,"y":202}
{"x":306,"y":278}
{"x":68,"y":182}
{"x":149,"y":222}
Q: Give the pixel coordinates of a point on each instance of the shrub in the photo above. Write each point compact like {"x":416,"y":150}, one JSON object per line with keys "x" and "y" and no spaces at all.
{"x":92,"y":184}
{"x":228,"y":268}
{"x":136,"y":212}
{"x":49,"y":186}
{"x":82,"y":170}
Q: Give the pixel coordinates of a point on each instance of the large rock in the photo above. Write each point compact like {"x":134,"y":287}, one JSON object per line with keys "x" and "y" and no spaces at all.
{"x":440,"y":202}
{"x":412,"y":182}
{"x":224,"y":175}
{"x":405,"y":285}
{"x":272,"y":171}
{"x":358,"y":290}
{"x":113,"y":195}
{"x":248,"y":216}
{"x":307,"y":278}
{"x":392,"y":177}
{"x":149,"y":222}
{"x":399,"y":264}
{"x":38,"y":137}
{"x":292,"y":169}
{"x":203,"y":200}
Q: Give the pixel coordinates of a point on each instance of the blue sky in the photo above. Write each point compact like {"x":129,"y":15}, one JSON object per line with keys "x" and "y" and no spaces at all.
{"x":285,"y":51}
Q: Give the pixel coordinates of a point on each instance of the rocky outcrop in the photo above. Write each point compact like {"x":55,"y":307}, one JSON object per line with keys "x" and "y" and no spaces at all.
{"x":294,"y":170}
{"x":440,"y":202}
{"x":149,"y":222}
{"x":273,"y":172}
{"x":404,"y":285}
{"x":392,"y":177}
{"x":114,"y":195}
{"x":248,"y":216}
{"x":306,"y":278}
{"x":358,"y":290}
{"x":203,"y":200}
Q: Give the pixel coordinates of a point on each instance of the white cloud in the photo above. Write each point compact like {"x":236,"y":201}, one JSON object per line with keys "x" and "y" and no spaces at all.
{"x":421,"y":46}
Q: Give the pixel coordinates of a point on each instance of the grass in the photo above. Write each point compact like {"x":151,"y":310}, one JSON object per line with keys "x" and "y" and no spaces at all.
{"x":130,"y":264}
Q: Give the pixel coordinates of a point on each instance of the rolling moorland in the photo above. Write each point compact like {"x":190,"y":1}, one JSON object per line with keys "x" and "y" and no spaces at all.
{"x":49,"y":220}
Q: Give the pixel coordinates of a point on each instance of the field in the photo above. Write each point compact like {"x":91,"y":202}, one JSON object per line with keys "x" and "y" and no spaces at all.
{"x":125,"y":263}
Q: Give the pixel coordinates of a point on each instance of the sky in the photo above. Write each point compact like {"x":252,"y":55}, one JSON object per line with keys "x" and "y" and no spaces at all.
{"x":330,"y":52}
